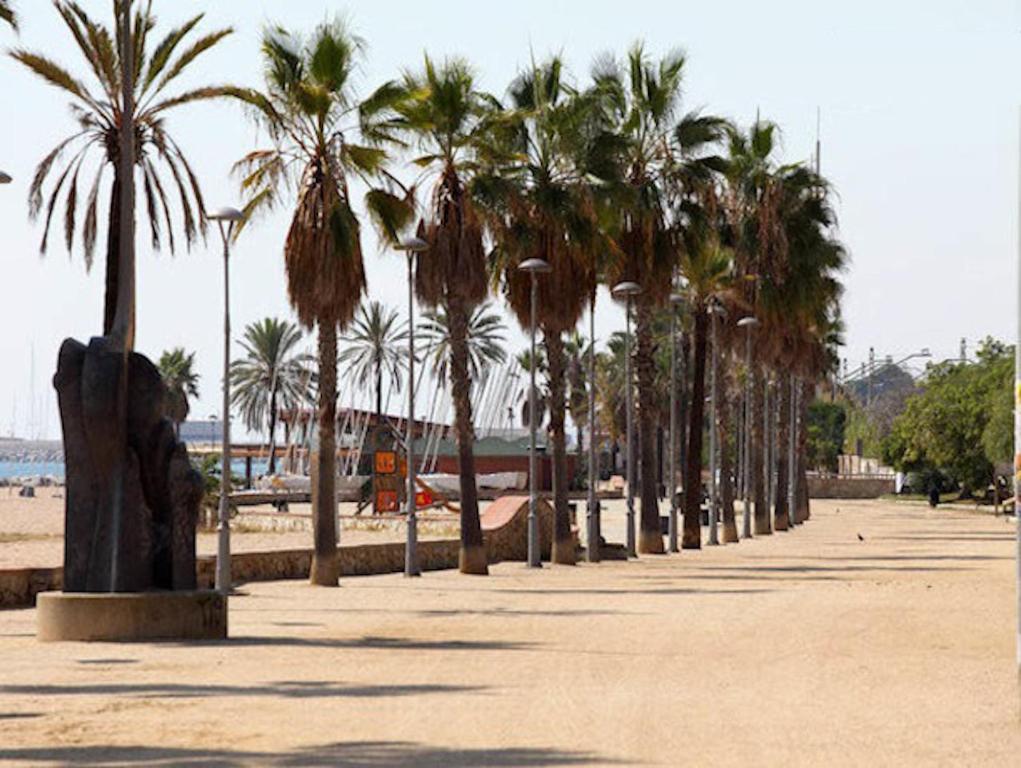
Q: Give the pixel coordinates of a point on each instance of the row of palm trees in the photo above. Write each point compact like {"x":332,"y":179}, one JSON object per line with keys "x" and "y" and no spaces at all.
{"x":607,"y":181}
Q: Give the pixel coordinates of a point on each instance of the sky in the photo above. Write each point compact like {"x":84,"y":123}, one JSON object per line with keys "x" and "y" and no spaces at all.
{"x":919,"y":105}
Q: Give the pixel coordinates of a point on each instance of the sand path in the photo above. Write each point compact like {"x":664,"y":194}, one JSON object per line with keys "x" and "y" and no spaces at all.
{"x":807,"y":648}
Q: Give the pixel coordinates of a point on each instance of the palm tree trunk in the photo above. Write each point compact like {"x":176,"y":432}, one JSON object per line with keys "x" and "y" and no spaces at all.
{"x":325,"y":564}
{"x":692,"y":538}
{"x":682,"y":416}
{"x":783,"y":435}
{"x":802,"y":512}
{"x":472,"y":558}
{"x":113,"y":235}
{"x":563,"y":541}
{"x":757,"y":456}
{"x":650,"y":537}
{"x":272,"y":468}
{"x":726,"y":411}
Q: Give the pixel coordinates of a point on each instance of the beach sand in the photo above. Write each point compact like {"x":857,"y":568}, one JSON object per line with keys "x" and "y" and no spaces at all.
{"x":811,"y":648}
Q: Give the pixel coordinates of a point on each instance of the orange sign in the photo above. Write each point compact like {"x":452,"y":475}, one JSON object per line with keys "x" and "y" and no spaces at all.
{"x":386,"y":501}
{"x":386,"y":462}
{"x":423,"y":499}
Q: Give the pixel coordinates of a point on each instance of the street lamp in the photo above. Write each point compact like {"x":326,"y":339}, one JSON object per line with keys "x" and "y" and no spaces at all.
{"x":411,"y":247}
{"x":227,"y":220}
{"x":749,"y":324}
{"x":627,"y":291}
{"x":676,"y":303}
{"x":592,"y":536}
{"x":534,"y":267}
{"x":715,"y":308}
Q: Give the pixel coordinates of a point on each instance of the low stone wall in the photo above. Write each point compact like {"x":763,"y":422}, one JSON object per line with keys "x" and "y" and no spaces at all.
{"x":504,"y":530}
{"x":849,"y":487}
{"x":18,"y":587}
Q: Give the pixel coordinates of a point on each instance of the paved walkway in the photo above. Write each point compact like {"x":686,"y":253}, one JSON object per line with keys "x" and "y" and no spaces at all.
{"x":806,"y":648}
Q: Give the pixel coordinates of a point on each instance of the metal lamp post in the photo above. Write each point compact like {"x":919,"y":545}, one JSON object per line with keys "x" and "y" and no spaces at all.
{"x":226,"y":219}
{"x":410,"y":247}
{"x":714,"y":310}
{"x":676,"y":302}
{"x":749,"y":324}
{"x":533,"y":267}
{"x":592,"y":553}
{"x":627,"y":291}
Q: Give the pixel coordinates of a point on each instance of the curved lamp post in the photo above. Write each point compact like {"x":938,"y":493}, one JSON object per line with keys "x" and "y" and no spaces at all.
{"x":676,"y":303}
{"x":227,"y":220}
{"x":411,"y":247}
{"x":749,"y":324}
{"x":626,"y":291}
{"x":533,"y":267}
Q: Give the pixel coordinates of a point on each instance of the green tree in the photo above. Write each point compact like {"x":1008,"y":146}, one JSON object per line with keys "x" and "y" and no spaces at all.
{"x":310,"y":111}
{"x":274,"y":374}
{"x":181,"y":381}
{"x":947,"y":425}
{"x":376,"y":346}
{"x":486,"y":339}
{"x":162,"y":166}
{"x":826,"y":424}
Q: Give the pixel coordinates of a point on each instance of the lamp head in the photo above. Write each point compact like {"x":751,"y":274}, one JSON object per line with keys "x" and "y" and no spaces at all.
{"x":625,"y":290}
{"x":748,"y":322}
{"x":5,"y":178}
{"x":413,"y":245}
{"x":228,"y":215}
{"x":535,"y":266}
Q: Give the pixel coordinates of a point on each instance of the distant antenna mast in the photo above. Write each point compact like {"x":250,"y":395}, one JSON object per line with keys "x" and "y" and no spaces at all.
{"x":964,"y":350}
{"x":818,"y":141}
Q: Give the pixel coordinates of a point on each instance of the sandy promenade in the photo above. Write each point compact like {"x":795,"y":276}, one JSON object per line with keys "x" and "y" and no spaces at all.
{"x":807,"y":648}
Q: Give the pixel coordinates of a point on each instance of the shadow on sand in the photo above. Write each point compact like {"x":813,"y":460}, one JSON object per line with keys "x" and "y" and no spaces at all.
{"x":369,"y":754}
{"x":312,"y":689}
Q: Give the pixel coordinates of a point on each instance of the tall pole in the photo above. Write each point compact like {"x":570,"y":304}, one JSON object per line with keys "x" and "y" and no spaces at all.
{"x":411,"y":567}
{"x":714,"y":537}
{"x":748,"y":435}
{"x":223,"y":580}
{"x":629,"y":407}
{"x":1017,"y":443}
{"x":533,"y":520}
{"x":872,"y":367}
{"x":592,"y":552}
{"x":767,"y":449}
{"x":791,"y":473}
{"x":671,"y":484}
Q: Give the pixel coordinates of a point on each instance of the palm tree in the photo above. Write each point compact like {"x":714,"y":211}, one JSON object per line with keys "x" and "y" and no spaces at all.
{"x":486,"y":340}
{"x":167,"y":180}
{"x":374,"y":347}
{"x":7,"y":13}
{"x":445,"y":115}
{"x":576,"y":347}
{"x":176,"y":367}
{"x":274,"y":374}
{"x":644,"y":150}
{"x":310,"y":111}
{"x":538,"y":203}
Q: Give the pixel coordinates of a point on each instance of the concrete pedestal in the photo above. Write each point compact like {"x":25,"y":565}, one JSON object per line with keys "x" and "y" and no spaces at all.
{"x":136,"y":616}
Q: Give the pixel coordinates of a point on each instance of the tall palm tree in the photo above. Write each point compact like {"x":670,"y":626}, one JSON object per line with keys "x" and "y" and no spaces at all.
{"x":374,"y":347}
{"x":311,"y":113}
{"x":486,"y":341}
{"x":750,"y":206}
{"x":274,"y":374}
{"x":539,"y":205}
{"x":639,"y":102}
{"x":445,"y":115}
{"x":75,"y":169}
{"x":182,"y":382}
{"x":576,"y":347}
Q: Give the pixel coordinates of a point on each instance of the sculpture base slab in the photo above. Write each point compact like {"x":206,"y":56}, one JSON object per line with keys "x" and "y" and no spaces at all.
{"x":126,"y":617}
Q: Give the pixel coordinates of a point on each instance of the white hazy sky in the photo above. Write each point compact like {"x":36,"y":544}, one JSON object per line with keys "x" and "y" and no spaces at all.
{"x":919,"y":105}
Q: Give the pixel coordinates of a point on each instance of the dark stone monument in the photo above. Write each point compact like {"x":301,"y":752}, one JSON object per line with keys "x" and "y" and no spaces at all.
{"x":132,"y":498}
